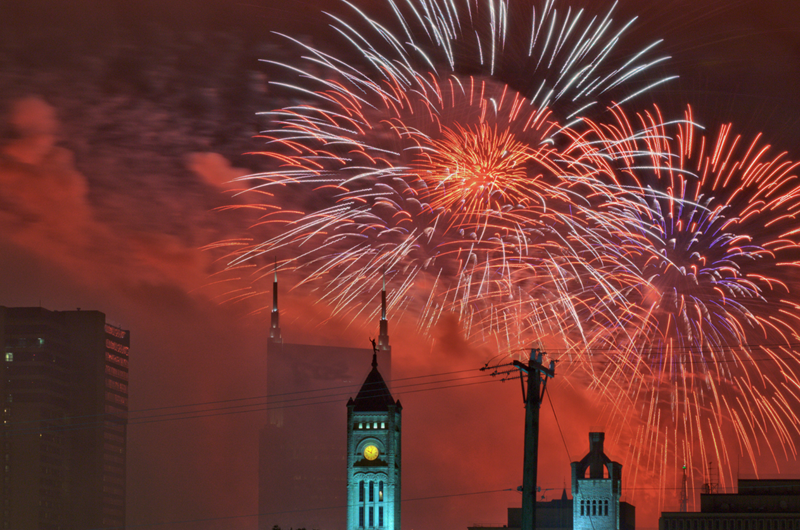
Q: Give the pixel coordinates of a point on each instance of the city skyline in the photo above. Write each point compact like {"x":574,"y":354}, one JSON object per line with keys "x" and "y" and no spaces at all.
{"x":84,"y":222}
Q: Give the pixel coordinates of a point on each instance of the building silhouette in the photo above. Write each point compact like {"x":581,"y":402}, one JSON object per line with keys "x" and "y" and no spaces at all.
{"x":596,"y":491}
{"x":302,"y":447}
{"x":758,"y":505}
{"x":64,"y":392}
{"x":595,"y":503}
{"x":373,"y":455}
{"x":553,"y":515}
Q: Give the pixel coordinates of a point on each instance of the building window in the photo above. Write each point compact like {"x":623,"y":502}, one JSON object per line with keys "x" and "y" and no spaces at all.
{"x":9,"y":356}
{"x":380,"y":516}
{"x":361,"y":517}
{"x":594,"y":507}
{"x":380,"y":492}
{"x":375,"y":425}
{"x":582,"y":508}
{"x":367,"y":425}
{"x":361,"y":492}
{"x":371,"y":516}
{"x":383,"y":425}
{"x":606,"y":508}
{"x":360,"y":425}
{"x":371,"y":493}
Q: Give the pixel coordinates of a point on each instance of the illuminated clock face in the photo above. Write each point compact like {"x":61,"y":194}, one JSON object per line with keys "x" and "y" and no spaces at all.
{"x":371,"y":452}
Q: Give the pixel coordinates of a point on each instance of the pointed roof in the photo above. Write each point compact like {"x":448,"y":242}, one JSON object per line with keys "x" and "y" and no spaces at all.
{"x":374,"y":395}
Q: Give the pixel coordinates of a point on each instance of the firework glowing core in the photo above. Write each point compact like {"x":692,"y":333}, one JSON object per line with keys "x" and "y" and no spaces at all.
{"x":477,"y":168}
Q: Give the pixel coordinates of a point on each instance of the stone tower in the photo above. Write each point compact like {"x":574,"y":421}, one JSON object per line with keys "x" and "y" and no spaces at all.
{"x":373,"y":456}
{"x":596,"y":495}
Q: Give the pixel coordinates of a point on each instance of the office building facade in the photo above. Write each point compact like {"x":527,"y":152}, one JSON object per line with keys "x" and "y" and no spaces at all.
{"x":302,"y":446}
{"x":64,"y":392}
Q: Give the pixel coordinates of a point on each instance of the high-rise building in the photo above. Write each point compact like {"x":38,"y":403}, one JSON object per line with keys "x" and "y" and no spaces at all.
{"x":64,"y":394}
{"x":373,"y":455}
{"x":302,"y":447}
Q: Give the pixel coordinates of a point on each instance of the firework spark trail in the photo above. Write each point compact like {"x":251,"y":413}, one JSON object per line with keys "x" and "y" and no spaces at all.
{"x":498,"y":197}
{"x":481,"y":204}
{"x":714,"y":243}
{"x":456,"y":181}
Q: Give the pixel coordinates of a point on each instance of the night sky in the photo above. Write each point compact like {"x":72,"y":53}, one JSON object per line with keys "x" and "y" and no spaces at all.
{"x":120,"y":122}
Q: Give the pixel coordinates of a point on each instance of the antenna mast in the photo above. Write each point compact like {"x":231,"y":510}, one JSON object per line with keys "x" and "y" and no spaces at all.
{"x":684,"y":494}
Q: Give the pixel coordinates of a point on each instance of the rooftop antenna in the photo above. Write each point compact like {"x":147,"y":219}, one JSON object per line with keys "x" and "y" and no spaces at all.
{"x":684,"y":494}
{"x":383,"y":337}
{"x":275,"y":325}
{"x":710,"y":485}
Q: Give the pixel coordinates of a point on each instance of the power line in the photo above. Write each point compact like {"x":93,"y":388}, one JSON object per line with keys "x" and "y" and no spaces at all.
{"x":229,"y":517}
{"x":350,"y":389}
{"x":550,"y":400}
{"x":246,"y":408}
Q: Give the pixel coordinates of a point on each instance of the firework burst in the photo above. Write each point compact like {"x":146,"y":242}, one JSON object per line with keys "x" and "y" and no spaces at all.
{"x":709,"y":347}
{"x":471,"y":152}
{"x":472,"y":193}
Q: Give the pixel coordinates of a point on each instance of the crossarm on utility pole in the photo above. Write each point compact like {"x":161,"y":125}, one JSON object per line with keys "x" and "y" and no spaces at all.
{"x":538,"y":375}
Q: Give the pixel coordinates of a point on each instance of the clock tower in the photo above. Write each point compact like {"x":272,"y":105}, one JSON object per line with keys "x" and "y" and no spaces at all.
{"x":373,"y":450}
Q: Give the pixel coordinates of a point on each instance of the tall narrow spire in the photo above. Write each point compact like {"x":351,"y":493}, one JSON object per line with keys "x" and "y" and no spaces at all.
{"x":383,"y":298}
{"x":275,"y":329}
{"x":383,"y":338}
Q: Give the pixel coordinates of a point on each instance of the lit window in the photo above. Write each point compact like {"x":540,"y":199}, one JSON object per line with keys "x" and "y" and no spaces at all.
{"x":375,"y":425}
{"x":360,"y":425}
{"x":9,"y":356}
{"x":383,"y":425}
{"x":367,"y":425}
{"x":380,"y":492}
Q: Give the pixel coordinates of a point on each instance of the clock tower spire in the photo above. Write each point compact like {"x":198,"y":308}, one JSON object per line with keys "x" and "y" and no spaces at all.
{"x":373,"y":454}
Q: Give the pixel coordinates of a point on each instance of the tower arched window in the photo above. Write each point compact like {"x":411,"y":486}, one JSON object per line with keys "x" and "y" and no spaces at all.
{"x":380,"y":492}
{"x":606,"y":508}
{"x":594,"y":507}
{"x":582,"y":505}
{"x":371,"y":492}
{"x":361,"y":492}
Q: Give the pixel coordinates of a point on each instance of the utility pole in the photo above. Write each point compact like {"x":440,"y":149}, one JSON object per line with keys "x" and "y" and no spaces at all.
{"x":532,"y":396}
